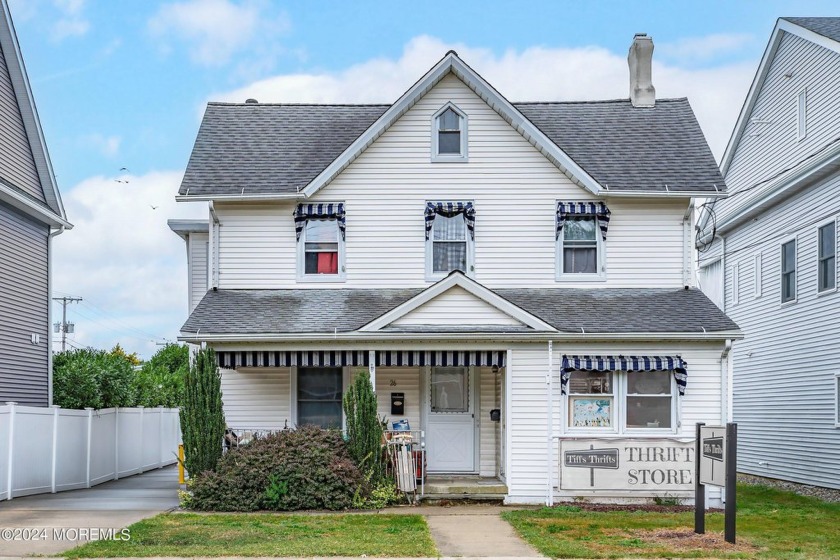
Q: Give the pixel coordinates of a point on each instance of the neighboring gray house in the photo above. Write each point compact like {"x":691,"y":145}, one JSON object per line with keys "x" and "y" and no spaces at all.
{"x":768,"y":257}
{"x":31,"y":213}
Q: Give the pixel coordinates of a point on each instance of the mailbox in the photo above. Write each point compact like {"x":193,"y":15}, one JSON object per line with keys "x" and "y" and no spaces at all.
{"x":495,"y":415}
{"x":398,"y":403}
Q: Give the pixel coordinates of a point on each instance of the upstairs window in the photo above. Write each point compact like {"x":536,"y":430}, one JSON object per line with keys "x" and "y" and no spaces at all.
{"x":449,"y":134}
{"x":581,"y":233}
{"x":789,"y":271}
{"x":319,"y":228}
{"x":450,"y":233}
{"x":827,"y":271}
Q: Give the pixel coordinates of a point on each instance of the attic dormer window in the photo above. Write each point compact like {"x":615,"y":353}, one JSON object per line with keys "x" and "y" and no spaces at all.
{"x":449,"y":134}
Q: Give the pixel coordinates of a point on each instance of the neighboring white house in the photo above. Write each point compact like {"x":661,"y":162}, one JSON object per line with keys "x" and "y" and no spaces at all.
{"x":517,"y":275}
{"x":775,"y":239}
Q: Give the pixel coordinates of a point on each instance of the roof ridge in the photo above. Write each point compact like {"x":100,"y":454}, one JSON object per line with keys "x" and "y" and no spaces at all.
{"x":246,"y":104}
{"x":595,"y":101}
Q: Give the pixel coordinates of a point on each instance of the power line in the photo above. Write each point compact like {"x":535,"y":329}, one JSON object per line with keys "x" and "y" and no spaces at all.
{"x":63,"y":326}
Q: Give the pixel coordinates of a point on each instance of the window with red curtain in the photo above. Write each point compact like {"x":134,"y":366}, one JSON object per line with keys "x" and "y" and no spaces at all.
{"x":321,"y":247}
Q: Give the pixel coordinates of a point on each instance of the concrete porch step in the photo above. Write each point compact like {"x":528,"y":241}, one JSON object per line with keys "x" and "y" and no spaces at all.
{"x":465,"y":486}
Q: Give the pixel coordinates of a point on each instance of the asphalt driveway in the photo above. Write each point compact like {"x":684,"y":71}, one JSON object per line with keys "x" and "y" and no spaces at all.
{"x":78,"y":513}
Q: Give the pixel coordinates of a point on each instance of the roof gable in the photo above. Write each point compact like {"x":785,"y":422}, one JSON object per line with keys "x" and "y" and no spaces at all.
{"x":29,"y":182}
{"x":796,"y":26}
{"x":456,"y":301}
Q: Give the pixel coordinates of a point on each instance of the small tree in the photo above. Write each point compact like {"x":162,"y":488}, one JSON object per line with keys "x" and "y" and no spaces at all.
{"x":202,"y":417}
{"x":364,"y":432}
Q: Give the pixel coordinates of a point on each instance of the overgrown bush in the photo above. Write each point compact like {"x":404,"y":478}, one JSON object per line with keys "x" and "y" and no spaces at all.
{"x":160,"y":381}
{"x":202,"y":415}
{"x":93,"y":378}
{"x":307,"y":468}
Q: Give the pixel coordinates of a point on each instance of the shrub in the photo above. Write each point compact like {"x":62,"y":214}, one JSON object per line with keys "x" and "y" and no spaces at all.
{"x":202,"y":417}
{"x":92,"y":378}
{"x":364,"y":430}
{"x":160,"y":382}
{"x":307,"y":468}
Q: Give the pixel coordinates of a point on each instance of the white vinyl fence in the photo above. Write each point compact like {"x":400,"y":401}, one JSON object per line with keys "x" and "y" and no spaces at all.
{"x":54,"y":449}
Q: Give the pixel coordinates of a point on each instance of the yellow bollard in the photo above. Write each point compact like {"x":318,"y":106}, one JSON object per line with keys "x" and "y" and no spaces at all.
{"x":181,"y":464}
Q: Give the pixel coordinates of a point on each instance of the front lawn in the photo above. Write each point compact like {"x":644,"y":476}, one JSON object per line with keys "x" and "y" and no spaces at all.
{"x":771,"y":524}
{"x":187,"y":534}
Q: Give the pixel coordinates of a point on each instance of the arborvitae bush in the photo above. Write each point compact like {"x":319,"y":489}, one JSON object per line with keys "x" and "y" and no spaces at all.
{"x":306,"y":468}
{"x":202,"y":417}
{"x":364,"y":430}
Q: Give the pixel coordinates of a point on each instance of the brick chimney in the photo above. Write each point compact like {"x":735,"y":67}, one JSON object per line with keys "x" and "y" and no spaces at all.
{"x":642,"y":92}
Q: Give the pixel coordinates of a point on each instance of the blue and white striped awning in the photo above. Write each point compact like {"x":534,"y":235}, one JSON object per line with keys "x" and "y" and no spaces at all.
{"x":319,"y":211}
{"x":624,"y":363}
{"x":339,"y":358}
{"x":570,"y":210}
{"x":450,"y":209}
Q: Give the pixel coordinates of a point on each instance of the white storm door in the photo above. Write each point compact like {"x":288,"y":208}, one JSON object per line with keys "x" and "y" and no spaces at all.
{"x":450,"y":421}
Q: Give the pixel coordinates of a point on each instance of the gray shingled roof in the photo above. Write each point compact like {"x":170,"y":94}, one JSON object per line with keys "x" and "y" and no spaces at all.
{"x":606,"y":310}
{"x":276,"y":149}
{"x":825,"y":26}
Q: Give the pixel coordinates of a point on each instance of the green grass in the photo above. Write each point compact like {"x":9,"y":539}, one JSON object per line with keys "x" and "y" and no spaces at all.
{"x":268,"y":534}
{"x":777,"y":524}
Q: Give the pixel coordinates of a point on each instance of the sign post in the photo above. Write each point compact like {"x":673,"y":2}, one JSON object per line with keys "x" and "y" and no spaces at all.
{"x":716,"y":461}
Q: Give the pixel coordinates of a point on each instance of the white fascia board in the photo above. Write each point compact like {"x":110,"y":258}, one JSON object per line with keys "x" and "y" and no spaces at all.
{"x":373,"y":337}
{"x":451,"y":63}
{"x":777,"y":190}
{"x":238,"y":197}
{"x":29,"y":112}
{"x":17,"y":200}
{"x":471,"y":286}
{"x":660,"y":194}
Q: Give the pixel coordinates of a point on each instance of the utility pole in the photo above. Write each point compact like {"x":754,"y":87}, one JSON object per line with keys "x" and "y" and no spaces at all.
{"x":62,"y":327}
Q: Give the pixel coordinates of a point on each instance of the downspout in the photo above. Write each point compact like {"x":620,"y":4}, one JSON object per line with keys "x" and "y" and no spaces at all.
{"x":726,"y":382}
{"x":549,"y":451}
{"x":52,"y":234}
{"x":214,"y":232}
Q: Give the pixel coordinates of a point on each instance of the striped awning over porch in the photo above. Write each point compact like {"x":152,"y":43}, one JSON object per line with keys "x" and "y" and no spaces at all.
{"x":339,"y":358}
{"x":624,"y":363}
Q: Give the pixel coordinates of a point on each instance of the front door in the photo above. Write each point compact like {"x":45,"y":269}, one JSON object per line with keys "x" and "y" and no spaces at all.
{"x":450,"y":420}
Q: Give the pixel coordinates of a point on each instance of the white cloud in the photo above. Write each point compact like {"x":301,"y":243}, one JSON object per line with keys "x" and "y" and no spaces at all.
{"x":533,"y":74}
{"x":71,"y":22}
{"x":108,"y":146}
{"x":699,"y":49}
{"x":216,"y":30}
{"x":124,"y":260}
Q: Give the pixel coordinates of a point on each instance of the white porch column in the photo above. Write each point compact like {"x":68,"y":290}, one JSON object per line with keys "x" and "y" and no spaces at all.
{"x":372,"y":368}
{"x":549,"y":497}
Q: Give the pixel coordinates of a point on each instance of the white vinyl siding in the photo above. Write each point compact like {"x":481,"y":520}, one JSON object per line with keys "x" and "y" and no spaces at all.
{"x":709,"y":280}
{"x":488,"y":389}
{"x":385,"y":192}
{"x":454,"y":307}
{"x":736,"y":284}
{"x":399,"y":380}
{"x":787,"y":361}
{"x":757,"y":276}
{"x":769,"y":143}
{"x":198,"y":244}
{"x":257,"y":398}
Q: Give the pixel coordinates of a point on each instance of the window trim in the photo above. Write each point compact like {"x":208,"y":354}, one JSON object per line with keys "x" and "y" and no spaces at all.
{"x":601,"y":261}
{"x":802,"y":114}
{"x":431,"y":275}
{"x":462,"y":157}
{"x":619,"y":395}
{"x":301,"y":260}
{"x":837,"y":400}
{"x":820,"y":226}
{"x":757,"y":275}
{"x":795,"y":298}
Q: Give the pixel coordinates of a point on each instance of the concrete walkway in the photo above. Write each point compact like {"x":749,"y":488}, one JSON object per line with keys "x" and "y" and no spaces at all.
{"x":116,"y":504}
{"x":474,"y":531}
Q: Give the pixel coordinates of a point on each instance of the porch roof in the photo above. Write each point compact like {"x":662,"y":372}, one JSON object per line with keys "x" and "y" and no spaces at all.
{"x":328,"y":311}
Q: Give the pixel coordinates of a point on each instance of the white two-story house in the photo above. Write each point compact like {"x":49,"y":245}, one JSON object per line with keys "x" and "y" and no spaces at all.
{"x":517,"y":277}
{"x":768,"y":257}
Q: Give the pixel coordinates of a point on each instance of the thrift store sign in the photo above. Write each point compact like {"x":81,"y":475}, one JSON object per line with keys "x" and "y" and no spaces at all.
{"x":660,"y":465}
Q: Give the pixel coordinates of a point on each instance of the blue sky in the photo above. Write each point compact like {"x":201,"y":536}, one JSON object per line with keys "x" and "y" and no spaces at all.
{"x":122,"y":84}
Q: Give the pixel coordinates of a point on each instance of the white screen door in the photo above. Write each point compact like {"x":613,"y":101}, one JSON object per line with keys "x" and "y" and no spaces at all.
{"x":450,"y":421}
